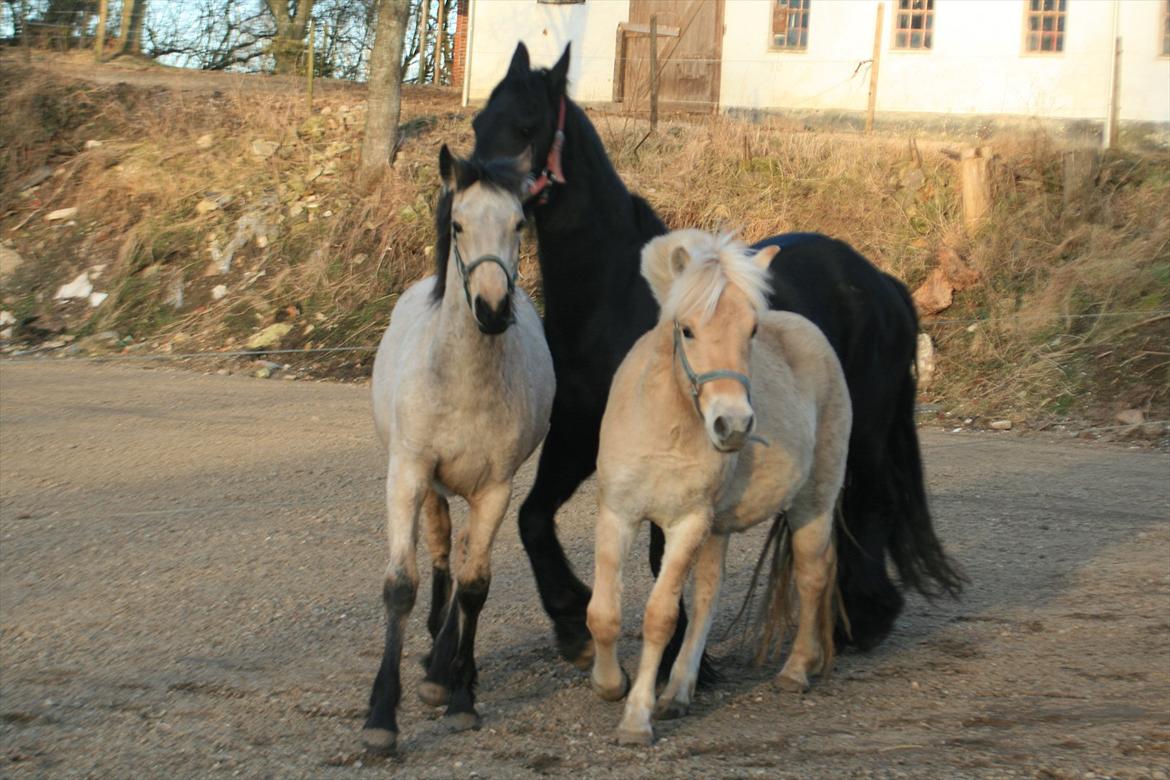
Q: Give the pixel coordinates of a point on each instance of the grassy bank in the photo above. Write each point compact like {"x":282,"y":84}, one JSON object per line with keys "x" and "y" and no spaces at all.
{"x":214,"y":215}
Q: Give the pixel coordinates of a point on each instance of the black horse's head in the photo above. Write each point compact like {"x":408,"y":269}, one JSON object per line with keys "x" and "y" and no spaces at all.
{"x":521,"y":114}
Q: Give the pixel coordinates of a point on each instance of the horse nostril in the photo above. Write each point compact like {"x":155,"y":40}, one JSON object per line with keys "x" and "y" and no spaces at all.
{"x":749,"y":422}
{"x":721,"y":427}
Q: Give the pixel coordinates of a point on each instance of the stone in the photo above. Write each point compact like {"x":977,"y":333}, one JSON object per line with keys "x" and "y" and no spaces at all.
{"x":263,"y":372}
{"x":61,"y":214}
{"x":97,"y":299}
{"x":108,"y":336}
{"x":269,"y":337}
{"x":219,"y":292}
{"x":80,"y":287}
{"x":93,"y":143}
{"x":1001,"y":425}
{"x":10,"y":260}
{"x":924,"y":362}
{"x":955,"y":268}
{"x":204,"y":141}
{"x":264,"y":149}
{"x":1130,"y":417}
{"x":935,"y":294}
{"x":206,"y":205}
{"x":35,"y":178}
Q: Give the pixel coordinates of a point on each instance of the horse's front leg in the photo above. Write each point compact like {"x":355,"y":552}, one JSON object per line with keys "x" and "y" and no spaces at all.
{"x":456,"y":641}
{"x":437,"y":533}
{"x":604,"y":616}
{"x":814,"y":558}
{"x":675,"y":700}
{"x":683,"y":540}
{"x":406,"y":483}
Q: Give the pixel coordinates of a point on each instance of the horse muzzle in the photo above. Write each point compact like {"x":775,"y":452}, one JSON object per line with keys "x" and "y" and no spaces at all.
{"x":493,"y":320}
{"x":730,"y":431}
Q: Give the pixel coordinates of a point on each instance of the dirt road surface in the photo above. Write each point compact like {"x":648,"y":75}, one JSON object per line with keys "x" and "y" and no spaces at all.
{"x":190,"y":570}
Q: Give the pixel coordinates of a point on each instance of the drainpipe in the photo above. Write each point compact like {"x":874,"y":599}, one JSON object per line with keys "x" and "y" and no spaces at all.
{"x":1107,"y":134}
{"x":471,"y":5}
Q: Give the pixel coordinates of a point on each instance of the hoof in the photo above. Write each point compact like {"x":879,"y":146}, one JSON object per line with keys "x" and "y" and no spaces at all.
{"x":380,"y":741}
{"x":792,"y":683}
{"x":635,"y":737}
{"x":433,"y":694}
{"x":462,"y":721}
{"x":669,"y":710}
{"x":612,"y":694}
{"x":584,"y":659}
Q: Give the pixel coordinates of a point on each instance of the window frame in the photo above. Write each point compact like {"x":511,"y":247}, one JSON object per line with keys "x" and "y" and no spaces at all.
{"x":1026,"y":32}
{"x":1164,"y":32}
{"x":772,"y":47}
{"x":907,"y":49}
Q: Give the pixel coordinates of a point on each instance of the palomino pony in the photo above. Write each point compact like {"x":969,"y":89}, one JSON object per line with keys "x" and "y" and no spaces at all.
{"x":590,"y":231}
{"x":463,"y":389}
{"x":721,"y":417}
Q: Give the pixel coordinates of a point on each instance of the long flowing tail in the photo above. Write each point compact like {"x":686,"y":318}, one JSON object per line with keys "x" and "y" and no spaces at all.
{"x":915,"y":549}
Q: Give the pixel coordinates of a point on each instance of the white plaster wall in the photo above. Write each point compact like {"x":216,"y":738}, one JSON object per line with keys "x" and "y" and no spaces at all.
{"x":497,"y":25}
{"x":1145,"y":74}
{"x":977,"y":65}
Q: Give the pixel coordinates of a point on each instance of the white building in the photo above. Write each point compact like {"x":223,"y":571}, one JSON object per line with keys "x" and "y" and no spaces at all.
{"x":1052,"y":59}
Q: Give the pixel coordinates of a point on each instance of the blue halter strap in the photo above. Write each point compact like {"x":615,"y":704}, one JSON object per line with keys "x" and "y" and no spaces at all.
{"x":698,"y":380}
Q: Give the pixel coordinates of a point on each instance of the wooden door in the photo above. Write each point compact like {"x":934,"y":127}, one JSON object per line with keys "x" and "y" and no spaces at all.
{"x":690,"y":45}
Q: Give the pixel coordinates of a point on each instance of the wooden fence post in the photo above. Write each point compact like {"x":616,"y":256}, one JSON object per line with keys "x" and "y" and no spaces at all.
{"x":873,"y":70}
{"x":653,"y":72}
{"x":976,"y":185}
{"x":1115,"y":97}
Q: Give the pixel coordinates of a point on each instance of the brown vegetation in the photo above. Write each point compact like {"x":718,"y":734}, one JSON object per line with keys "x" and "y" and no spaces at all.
{"x":179,"y":179}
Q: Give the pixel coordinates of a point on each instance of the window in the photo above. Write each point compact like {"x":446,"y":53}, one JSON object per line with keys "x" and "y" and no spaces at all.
{"x":914,"y":24}
{"x":790,"y":24}
{"x":1166,"y":29}
{"x":1045,"y":31}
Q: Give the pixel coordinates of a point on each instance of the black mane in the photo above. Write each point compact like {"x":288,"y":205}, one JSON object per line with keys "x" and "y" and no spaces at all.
{"x":503,"y":175}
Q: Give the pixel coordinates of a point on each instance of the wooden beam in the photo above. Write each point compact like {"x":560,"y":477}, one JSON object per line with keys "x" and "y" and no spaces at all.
{"x":644,"y":29}
{"x":871,"y":108}
{"x":653,"y":73}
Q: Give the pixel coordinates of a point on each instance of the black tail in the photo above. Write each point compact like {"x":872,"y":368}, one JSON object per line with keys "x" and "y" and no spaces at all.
{"x":915,"y":549}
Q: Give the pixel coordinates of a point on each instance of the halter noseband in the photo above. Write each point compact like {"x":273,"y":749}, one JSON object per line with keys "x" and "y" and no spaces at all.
{"x":465,"y":269}
{"x":537,"y":187}
{"x":698,"y":380}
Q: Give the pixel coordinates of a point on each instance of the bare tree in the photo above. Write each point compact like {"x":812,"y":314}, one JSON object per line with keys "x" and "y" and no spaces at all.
{"x":292,"y":20}
{"x":385,"y":86}
{"x":124,"y":46}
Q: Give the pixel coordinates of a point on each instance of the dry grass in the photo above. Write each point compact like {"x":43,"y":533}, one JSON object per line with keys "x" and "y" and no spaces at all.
{"x":332,"y":256}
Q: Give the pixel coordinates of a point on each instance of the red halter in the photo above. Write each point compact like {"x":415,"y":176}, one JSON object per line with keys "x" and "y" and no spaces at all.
{"x":552,"y":173}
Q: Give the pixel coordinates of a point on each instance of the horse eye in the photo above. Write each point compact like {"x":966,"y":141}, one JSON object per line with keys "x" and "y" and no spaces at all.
{"x":755,"y":330}
{"x":688,"y":333}
{"x":457,"y":227}
{"x":526,"y":131}
{"x":520,"y":225}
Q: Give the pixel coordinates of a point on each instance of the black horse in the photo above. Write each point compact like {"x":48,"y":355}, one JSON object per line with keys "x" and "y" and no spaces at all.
{"x":590,"y":231}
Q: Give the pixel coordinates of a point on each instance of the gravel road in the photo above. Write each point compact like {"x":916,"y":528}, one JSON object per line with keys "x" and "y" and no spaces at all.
{"x":190,"y":569}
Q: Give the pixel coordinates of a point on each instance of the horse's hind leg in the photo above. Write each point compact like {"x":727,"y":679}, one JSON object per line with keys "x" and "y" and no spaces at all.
{"x":683,"y":540}
{"x":405,"y":486}
{"x":675,"y":700}
{"x":437,"y":532}
{"x":473,"y":577}
{"x":568,"y":457}
{"x":815,"y":561}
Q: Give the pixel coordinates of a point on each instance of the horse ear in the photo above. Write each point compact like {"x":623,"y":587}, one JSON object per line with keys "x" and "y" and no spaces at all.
{"x":448,"y":168}
{"x":519,"y":66}
{"x":764,"y":257}
{"x":661,"y":264}
{"x":559,"y":74}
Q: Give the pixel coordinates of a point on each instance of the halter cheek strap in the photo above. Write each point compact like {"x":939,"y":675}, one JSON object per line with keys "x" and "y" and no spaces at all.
{"x":698,"y":380}
{"x":552,"y":173}
{"x":465,"y":269}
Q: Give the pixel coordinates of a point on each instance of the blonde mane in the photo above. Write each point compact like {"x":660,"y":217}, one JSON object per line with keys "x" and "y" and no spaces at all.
{"x":712,"y":262}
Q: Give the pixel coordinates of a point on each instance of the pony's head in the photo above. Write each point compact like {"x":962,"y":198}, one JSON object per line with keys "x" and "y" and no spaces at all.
{"x":521,"y":113}
{"x":479,"y":222}
{"x":711,"y":289}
